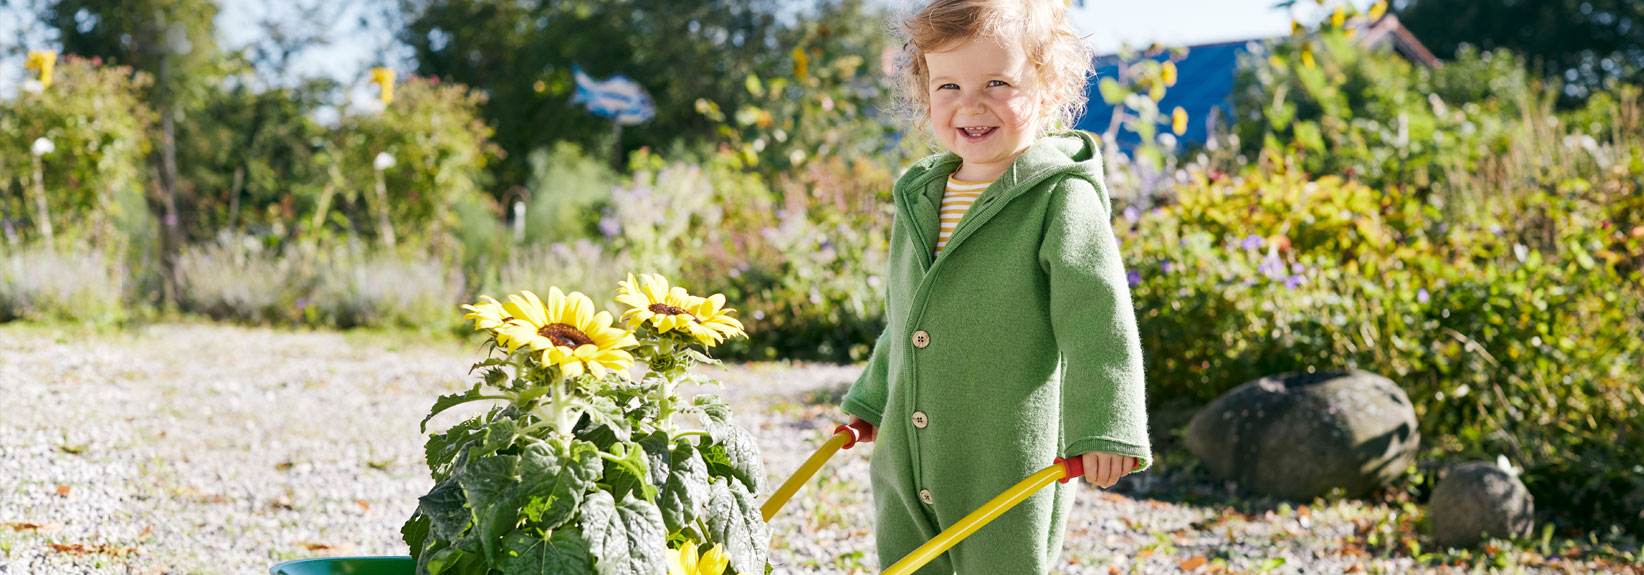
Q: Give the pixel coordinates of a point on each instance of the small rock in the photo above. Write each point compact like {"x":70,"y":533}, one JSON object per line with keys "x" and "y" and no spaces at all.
{"x":1477,"y":500}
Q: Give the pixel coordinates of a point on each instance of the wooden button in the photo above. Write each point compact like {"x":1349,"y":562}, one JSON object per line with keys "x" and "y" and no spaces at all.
{"x":919,"y":419}
{"x":924,"y":495}
{"x":921,"y":339}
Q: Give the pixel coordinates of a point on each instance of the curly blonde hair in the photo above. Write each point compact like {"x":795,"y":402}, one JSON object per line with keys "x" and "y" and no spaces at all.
{"x":1062,"y":60}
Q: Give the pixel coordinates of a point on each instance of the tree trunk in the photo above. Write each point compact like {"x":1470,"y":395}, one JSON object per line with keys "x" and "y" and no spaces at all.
{"x":41,"y":212}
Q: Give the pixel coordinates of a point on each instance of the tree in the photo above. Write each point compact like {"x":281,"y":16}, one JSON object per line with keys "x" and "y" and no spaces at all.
{"x":1584,"y":43}
{"x":521,"y":54}
{"x":172,"y":41}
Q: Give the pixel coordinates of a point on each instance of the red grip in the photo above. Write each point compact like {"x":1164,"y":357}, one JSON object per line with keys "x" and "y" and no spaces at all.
{"x":1075,"y":467}
{"x":856,"y":429}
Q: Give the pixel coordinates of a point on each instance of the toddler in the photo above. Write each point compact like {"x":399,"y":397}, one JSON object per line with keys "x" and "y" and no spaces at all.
{"x":1011,"y":339}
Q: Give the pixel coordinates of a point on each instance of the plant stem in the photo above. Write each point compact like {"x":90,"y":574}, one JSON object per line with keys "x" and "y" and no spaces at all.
{"x":559,"y":405}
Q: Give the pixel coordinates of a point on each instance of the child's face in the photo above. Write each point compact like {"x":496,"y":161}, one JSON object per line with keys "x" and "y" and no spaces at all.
{"x":983,"y":104}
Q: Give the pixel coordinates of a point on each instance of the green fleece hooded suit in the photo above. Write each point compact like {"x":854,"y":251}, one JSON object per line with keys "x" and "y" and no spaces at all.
{"x":1017,"y":345}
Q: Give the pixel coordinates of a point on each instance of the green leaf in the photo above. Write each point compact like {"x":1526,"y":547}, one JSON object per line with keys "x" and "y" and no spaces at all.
{"x":562,"y":553}
{"x":556,"y":477}
{"x":735,"y":521}
{"x":495,"y":377}
{"x":449,"y":401}
{"x":1112,"y":92}
{"x":754,"y":86}
{"x":626,"y":538}
{"x":629,"y":472}
{"x":442,"y":448}
{"x":445,"y":507}
{"x":488,"y":483}
{"x":498,"y":435}
{"x":604,"y":411}
{"x":712,"y":408}
{"x":685,"y":488}
{"x":735,"y":453}
{"x":415,"y":532}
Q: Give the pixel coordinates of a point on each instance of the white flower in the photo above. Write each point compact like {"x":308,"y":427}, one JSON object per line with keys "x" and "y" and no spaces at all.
{"x":384,"y":161}
{"x":42,"y":147}
{"x":33,"y":86}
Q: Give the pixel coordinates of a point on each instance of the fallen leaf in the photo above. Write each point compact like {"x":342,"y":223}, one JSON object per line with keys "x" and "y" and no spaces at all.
{"x":282,"y":502}
{"x":1143,"y":554}
{"x":1355,"y":568}
{"x":284,"y":466}
{"x":1216,"y":568}
{"x":83,"y":549}
{"x":1304,"y":511}
{"x":35,"y":527}
{"x":147,"y":531}
{"x":364,"y":505}
{"x":1491,"y":548}
{"x":1074,"y":560}
{"x":63,"y":490}
{"x":1112,"y":571}
{"x":1196,"y":562}
{"x":314,"y":546}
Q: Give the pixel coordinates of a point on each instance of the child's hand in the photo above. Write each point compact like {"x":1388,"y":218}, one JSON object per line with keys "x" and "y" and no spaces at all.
{"x":865,"y":437}
{"x":1104,"y":469}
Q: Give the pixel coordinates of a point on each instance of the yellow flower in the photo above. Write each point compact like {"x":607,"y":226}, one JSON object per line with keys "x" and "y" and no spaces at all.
{"x":568,"y":333}
{"x":42,"y":60}
{"x":711,"y":313}
{"x":384,"y":77}
{"x":1178,"y":121}
{"x":488,"y":315}
{"x":1169,"y":73}
{"x":685,"y":562}
{"x":1377,"y":10}
{"x":1339,"y":17}
{"x":650,"y":299}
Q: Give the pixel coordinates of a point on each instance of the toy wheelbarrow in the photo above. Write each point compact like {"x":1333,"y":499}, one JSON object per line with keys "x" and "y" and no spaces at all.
{"x":845,"y":436}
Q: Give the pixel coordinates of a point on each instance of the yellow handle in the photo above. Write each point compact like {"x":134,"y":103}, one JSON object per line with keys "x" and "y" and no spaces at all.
{"x":984,"y":514}
{"x":844,"y":437}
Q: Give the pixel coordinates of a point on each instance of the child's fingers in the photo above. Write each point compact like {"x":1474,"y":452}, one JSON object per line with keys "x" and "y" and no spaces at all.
{"x":1092,"y":474}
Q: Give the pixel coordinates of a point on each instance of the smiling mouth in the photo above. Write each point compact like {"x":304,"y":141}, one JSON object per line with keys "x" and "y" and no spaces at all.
{"x":976,"y":134}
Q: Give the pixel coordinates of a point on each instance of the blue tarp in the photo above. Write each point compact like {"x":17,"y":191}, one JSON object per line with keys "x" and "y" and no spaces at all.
{"x":1204,"y":81}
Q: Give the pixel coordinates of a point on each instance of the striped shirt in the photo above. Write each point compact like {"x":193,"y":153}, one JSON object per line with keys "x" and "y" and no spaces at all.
{"x":958,"y":198}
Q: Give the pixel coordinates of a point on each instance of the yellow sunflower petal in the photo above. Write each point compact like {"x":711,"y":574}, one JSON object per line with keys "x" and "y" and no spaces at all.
{"x":714,"y":561}
{"x":571,"y":369}
{"x":675,"y":566}
{"x":556,"y":305}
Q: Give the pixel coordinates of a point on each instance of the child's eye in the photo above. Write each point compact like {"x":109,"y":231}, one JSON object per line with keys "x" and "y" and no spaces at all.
{"x":999,"y":82}
{"x":946,"y":86}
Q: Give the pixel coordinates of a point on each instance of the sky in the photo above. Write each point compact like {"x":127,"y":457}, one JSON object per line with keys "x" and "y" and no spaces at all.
{"x":354,"y":49}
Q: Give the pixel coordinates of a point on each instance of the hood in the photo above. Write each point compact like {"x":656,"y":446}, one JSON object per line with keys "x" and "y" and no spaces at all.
{"x":1072,"y":153}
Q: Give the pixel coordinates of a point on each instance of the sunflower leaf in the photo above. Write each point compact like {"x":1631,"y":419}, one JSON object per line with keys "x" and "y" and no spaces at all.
{"x":446,"y":510}
{"x":556,"y":477}
{"x":449,"y":401}
{"x":628,"y":471}
{"x":491,"y":362}
{"x":735,"y":521}
{"x":735,"y":453}
{"x":604,"y":411}
{"x":562,"y":553}
{"x":442,"y":448}
{"x":683,"y":477}
{"x":489,"y":483}
{"x":415,"y":532}
{"x":711,"y":407}
{"x":625,"y":538}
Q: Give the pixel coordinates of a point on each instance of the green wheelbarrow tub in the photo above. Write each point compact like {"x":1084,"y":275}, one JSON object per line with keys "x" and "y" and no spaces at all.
{"x":401,"y":565}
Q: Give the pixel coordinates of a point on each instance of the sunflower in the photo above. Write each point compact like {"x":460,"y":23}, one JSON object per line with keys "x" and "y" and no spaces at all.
{"x":568,"y":333}
{"x":685,"y":562}
{"x":650,"y":299}
{"x":488,"y":315}
{"x":713,"y":316}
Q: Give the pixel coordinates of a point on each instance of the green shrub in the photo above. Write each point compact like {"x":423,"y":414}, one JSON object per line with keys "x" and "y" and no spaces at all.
{"x":239,"y":279}
{"x":358,"y":288}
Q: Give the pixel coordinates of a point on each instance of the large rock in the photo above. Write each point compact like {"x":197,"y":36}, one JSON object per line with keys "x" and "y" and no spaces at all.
{"x":1299,"y":435}
{"x":1477,"y":500}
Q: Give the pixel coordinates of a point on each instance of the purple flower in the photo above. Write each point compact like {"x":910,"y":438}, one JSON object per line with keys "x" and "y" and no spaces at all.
{"x":1271,"y":267}
{"x":1132,"y":214}
{"x":1167,"y":266}
{"x":610,"y":227}
{"x":1296,"y":268}
{"x":1421,"y":295}
{"x":1134,"y":277}
{"x":1252,"y":242}
{"x":1295,"y":281}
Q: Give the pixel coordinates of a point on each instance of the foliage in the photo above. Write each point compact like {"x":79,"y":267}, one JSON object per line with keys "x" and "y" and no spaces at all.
{"x":1510,"y":337}
{"x":98,"y":127}
{"x":1588,"y":44}
{"x":522,"y":54}
{"x":439,"y":148}
{"x":584,"y":472}
{"x":1373,"y":115}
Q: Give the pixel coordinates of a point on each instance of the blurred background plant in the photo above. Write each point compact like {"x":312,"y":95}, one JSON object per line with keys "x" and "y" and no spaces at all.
{"x":1473,"y":231}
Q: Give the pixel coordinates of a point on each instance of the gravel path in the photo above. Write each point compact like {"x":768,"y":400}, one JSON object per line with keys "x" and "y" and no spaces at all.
{"x":210,"y":449}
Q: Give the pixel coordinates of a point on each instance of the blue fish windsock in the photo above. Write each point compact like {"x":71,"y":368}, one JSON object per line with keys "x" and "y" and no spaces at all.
{"x":615,"y":97}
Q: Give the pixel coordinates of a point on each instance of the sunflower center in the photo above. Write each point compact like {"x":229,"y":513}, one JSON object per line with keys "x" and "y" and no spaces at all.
{"x":565,"y":336}
{"x":665,"y":309}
